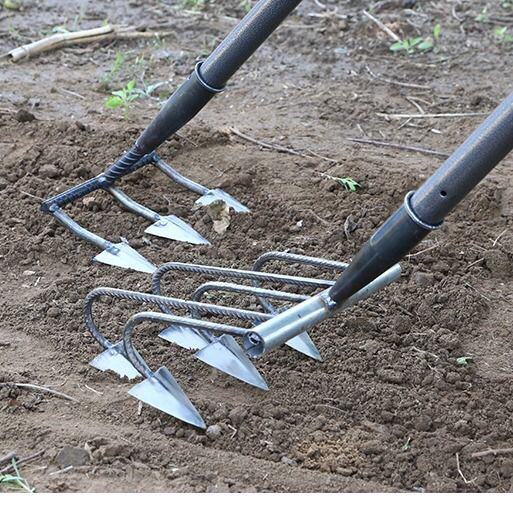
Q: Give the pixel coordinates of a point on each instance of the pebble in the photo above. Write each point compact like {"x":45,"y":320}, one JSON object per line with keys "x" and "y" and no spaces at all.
{"x":287,"y":461}
{"x":214,"y":431}
{"x":72,"y":457}
{"x":53,"y":312}
{"x":423,"y":279}
{"x":372,"y":447}
{"x":48,"y":171}
{"x":24,"y":116}
{"x":237,"y":415}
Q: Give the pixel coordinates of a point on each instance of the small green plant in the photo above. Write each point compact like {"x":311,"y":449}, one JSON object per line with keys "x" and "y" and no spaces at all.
{"x":411,"y":45}
{"x":437,"y":32}
{"x":483,"y":16}
{"x":192,"y":5}
{"x":245,"y":5}
{"x":10,"y":482}
{"x":123,"y":97}
{"x":348,"y":183}
{"x":502,"y":35}
{"x":464,"y":360}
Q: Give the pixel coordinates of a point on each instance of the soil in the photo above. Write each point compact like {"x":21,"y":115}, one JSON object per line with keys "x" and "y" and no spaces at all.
{"x":393,"y":406}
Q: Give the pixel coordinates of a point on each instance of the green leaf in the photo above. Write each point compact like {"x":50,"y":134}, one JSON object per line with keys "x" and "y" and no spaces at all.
{"x":112,"y":102}
{"x":348,"y":183}
{"x":437,"y":30}
{"x":464,"y":360}
{"x":427,"y":44}
{"x":397,"y":46}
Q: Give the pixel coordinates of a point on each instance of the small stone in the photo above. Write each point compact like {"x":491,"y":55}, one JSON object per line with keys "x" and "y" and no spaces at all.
{"x":423,"y":423}
{"x":29,"y":273}
{"x":72,"y":457}
{"x":53,"y":312}
{"x":287,"y":461}
{"x":391,"y":376}
{"x":237,"y":415}
{"x":372,"y":447}
{"x":117,"y":451}
{"x":343,"y":471}
{"x":423,"y":279}
{"x":48,"y":171}
{"x":214,"y":431}
{"x":24,"y":116}
{"x":498,"y":263}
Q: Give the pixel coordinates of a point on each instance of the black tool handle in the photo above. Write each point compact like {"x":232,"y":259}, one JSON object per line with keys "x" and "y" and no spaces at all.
{"x":210,"y":77}
{"x":425,"y":209}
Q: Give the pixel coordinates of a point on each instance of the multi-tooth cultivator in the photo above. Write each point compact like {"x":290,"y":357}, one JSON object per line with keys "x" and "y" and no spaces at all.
{"x":214,"y":343}
{"x":208,"y":79}
{"x":374,"y":266}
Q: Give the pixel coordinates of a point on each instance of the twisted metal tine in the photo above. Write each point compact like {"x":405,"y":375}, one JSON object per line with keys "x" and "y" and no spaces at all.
{"x":162,"y":302}
{"x":223,"y":272}
{"x":270,"y":256}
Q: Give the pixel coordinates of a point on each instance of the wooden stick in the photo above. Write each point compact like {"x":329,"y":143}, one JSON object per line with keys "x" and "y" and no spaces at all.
{"x":494,"y":452}
{"x":418,"y":149}
{"x":395,"y":82}
{"x":46,"y":390}
{"x":79,"y":37}
{"x":8,"y":457}
{"x":382,"y":26}
{"x":22,"y":461}
{"x":441,"y":115}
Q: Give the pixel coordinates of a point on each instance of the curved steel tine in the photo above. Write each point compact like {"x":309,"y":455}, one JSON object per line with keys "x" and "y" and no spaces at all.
{"x":160,"y":389}
{"x":212,"y":271}
{"x":271,"y":256}
{"x":113,"y":358}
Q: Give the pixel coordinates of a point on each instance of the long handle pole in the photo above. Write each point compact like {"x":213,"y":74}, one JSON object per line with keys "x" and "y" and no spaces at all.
{"x":421,"y":212}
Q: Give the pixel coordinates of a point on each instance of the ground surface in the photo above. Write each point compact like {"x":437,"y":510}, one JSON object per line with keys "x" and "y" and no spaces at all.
{"x":389,"y":408}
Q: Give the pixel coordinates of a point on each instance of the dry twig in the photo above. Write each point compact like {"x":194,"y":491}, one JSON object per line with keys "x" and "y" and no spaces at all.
{"x":22,"y":461}
{"x":441,"y":115}
{"x":493,"y":452}
{"x":418,"y":149}
{"x":46,"y":390}
{"x":382,"y":26}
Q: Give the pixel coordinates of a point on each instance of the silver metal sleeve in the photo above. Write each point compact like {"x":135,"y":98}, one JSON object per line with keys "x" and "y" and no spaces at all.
{"x":277,"y":331}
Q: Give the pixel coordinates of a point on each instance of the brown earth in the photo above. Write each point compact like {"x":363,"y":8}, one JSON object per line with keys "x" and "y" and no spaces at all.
{"x":390,"y":407}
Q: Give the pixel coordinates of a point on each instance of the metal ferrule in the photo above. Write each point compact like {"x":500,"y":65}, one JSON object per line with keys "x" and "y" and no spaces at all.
{"x":277,"y":331}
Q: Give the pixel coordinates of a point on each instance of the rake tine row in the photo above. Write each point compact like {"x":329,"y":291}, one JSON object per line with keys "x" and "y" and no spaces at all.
{"x":214,"y":343}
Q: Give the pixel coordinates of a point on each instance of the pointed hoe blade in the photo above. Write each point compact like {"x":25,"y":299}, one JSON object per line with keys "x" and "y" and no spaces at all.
{"x":127,"y":258}
{"x":172,"y":227}
{"x":184,"y":336}
{"x":304,"y":344}
{"x":163,"y":392}
{"x":218,"y":194}
{"x":227,"y":356}
{"x":112,"y":359}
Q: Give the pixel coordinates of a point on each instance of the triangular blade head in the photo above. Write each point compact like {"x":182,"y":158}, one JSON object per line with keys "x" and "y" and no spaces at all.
{"x":304,"y":344}
{"x":112,"y":359}
{"x":227,"y":356}
{"x":163,"y":392}
{"x":218,"y":194}
{"x":184,"y":336}
{"x":127,"y":258}
{"x":172,"y":227}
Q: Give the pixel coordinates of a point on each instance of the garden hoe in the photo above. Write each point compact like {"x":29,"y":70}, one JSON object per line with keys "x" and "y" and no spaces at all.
{"x":208,"y":78}
{"x":374,"y":266}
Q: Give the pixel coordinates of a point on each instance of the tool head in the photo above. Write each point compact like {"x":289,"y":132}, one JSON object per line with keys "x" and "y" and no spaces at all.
{"x":163,"y":392}
{"x":226,"y":355}
{"x":172,"y":227}
{"x":218,"y":194}
{"x":112,"y":359}
{"x":185,"y":337}
{"x":304,"y":344}
{"x":122,"y":255}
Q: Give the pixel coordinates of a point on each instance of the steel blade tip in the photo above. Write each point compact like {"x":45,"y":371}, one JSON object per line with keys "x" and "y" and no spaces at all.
{"x":184,"y":336}
{"x":172,"y":227}
{"x":226,"y":356}
{"x":112,"y":359}
{"x":163,"y":393}
{"x":304,"y":344}
{"x":125,"y":257}
{"x":218,"y":194}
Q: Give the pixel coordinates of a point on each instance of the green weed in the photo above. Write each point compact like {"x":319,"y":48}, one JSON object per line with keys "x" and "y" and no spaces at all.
{"x":10,"y":482}
{"x":192,"y":5}
{"x":411,"y":45}
{"x":348,"y":183}
{"x":483,"y":16}
{"x":245,"y":5}
{"x":124,"y":97}
{"x":502,"y":36}
{"x":464,"y":360}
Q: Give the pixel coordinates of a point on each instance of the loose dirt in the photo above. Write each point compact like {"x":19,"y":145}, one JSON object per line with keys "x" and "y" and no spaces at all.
{"x":392,"y":406}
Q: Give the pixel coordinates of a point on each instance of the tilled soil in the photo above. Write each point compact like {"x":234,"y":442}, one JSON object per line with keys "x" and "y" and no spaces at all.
{"x":413,"y":383}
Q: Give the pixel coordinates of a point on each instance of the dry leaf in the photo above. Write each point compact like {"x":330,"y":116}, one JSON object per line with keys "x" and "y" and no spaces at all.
{"x":219,"y":212}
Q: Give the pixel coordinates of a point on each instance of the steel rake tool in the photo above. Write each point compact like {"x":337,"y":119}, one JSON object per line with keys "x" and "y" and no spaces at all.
{"x":213,"y":343}
{"x":208,"y":79}
{"x":373,"y":267}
